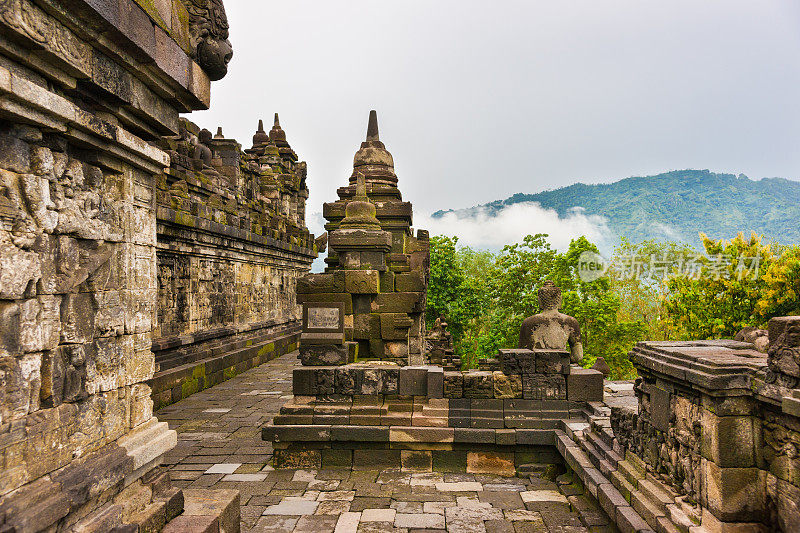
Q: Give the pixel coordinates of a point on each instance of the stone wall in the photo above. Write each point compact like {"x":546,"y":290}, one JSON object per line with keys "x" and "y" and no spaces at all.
{"x":715,"y":435}
{"x":231,"y":244}
{"x":86,"y":90}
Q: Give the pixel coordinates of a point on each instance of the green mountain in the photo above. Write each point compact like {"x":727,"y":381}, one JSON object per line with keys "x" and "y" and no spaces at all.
{"x":676,"y":205}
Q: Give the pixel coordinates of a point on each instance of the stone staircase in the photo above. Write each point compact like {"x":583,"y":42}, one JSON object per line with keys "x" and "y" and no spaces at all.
{"x":152,"y":505}
{"x":632,"y":498}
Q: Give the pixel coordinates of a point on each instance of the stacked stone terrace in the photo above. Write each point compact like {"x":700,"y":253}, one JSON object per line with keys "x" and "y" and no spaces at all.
{"x":86,"y":91}
{"x":362,"y":396}
{"x":232,"y":242}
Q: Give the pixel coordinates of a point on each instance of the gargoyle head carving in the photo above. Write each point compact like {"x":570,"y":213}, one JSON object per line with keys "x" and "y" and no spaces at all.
{"x":208,"y":26}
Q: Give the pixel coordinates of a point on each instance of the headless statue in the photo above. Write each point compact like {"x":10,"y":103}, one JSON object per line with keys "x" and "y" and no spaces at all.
{"x":551,"y":329}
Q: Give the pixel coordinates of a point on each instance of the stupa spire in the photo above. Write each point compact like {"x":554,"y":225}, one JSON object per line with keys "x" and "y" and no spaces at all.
{"x":277,"y":135}
{"x":372,"y":127}
{"x":373,"y":159}
{"x":261,"y":136}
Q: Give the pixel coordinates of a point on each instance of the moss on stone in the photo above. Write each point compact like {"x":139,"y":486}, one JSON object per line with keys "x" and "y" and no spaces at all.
{"x":184,"y":219}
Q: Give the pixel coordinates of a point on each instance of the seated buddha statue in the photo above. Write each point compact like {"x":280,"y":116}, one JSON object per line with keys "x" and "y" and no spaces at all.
{"x":550,"y":329}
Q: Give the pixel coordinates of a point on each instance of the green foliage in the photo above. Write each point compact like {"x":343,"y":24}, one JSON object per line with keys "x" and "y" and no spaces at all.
{"x":781,"y":293}
{"x":721,"y":298}
{"x":486,"y":298}
{"x":451,"y":292}
{"x":636,"y":279}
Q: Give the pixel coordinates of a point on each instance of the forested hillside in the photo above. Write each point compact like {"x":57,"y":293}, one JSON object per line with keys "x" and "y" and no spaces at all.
{"x":678,"y":205}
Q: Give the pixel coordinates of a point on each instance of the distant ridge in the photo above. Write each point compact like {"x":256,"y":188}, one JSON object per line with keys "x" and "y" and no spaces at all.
{"x":676,"y":205}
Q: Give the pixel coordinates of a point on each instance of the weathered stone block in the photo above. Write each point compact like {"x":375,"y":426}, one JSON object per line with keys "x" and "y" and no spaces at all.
{"x":435,"y":382}
{"x":360,"y":433}
{"x":506,"y":386}
{"x":413,"y":381}
{"x":420,"y":434}
{"x":728,"y":441}
{"x":304,"y":381}
{"x":345,"y":298}
{"x":325,"y":380}
{"x":375,"y":459}
{"x":469,"y":435}
{"x":453,"y":385}
{"x":409,"y":282}
{"x":14,"y":153}
{"x":544,"y":387}
{"x":585,"y":385}
{"x":486,"y":413}
{"x":372,"y":381}
{"x":416,"y":461}
{"x":552,"y":362}
{"x":366,"y":326}
{"x":391,"y":380}
{"x":734,"y":494}
{"x":323,"y":355}
{"x":386,"y":281}
{"x":312,"y":433}
{"x":53,"y":374}
{"x":77,"y":318}
{"x":659,"y":407}
{"x":786,"y":498}
{"x":394,"y":326}
{"x":449,"y":460}
{"x":478,"y":384}
{"x":396,"y":351}
{"x":496,"y":463}
{"x":361,"y":281}
{"x":517,"y":361}
{"x":397,"y":302}
{"x":321,"y":283}
{"x":349,"y":380}
{"x":336,"y":458}
{"x":292,"y":458}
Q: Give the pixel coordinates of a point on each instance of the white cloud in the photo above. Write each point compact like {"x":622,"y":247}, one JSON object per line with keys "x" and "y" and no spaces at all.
{"x":512,"y":223}
{"x":667,"y":231}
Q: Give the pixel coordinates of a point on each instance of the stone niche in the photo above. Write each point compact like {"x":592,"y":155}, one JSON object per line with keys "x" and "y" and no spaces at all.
{"x":231,"y":244}
{"x":716,"y":433}
{"x":85,"y":94}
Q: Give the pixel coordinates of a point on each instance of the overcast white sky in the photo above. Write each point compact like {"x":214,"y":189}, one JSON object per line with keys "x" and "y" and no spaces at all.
{"x":480,"y":100}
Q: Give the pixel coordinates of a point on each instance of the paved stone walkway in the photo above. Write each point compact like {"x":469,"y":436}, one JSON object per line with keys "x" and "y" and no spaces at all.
{"x":220,"y":446}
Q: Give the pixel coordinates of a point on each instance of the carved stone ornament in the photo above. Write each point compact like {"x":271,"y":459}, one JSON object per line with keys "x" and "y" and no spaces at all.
{"x":208,"y":26}
{"x":783,"y":357}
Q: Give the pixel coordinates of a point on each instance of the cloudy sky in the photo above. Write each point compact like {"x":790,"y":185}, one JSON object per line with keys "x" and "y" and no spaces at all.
{"x":480,"y":100}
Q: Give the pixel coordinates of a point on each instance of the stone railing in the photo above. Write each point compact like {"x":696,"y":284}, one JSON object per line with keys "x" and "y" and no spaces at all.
{"x":717,"y":426}
{"x":231,"y":244}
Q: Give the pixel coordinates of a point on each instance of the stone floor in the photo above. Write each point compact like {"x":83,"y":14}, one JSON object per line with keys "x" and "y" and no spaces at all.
{"x":220,"y":446}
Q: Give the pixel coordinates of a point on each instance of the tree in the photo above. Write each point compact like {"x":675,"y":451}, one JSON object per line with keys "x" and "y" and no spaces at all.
{"x":450,"y":292}
{"x":487,"y":300}
{"x":781,"y":293}
{"x":720,"y":296}
{"x":638,"y":275}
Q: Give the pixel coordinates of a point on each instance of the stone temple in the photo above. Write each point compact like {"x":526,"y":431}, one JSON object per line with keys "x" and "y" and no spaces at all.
{"x":168,"y":363}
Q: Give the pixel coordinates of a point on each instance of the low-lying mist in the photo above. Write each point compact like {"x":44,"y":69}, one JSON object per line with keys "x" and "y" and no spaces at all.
{"x":493,"y":230}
